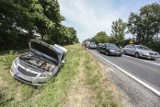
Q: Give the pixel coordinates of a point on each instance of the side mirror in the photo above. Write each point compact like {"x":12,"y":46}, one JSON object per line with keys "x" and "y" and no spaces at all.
{"x":63,"y":62}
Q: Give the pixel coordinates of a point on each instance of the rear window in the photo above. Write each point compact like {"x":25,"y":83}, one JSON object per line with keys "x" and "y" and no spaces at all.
{"x":43,"y":49}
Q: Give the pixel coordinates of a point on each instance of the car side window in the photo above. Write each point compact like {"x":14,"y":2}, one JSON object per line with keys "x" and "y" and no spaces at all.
{"x":127,"y":46}
{"x":107,"y":46}
{"x":103,"y":45}
{"x":132,"y":47}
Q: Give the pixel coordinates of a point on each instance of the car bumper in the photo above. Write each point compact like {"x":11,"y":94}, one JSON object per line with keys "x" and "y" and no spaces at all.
{"x":150,"y":56}
{"x":115,"y":53}
{"x":36,"y":81}
{"x":92,"y":47}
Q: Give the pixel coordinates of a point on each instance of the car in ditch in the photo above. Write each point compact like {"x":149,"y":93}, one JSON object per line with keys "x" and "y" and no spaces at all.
{"x":109,"y":49}
{"x":140,"y":51}
{"x":39,"y":64}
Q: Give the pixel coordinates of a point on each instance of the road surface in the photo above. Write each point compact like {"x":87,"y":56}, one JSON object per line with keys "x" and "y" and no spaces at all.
{"x":131,"y":75}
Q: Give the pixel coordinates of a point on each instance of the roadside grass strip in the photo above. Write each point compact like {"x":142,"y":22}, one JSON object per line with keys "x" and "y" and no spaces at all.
{"x":80,"y":82}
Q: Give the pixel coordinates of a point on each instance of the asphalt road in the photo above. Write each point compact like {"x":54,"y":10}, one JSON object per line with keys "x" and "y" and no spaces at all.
{"x":147,"y":71}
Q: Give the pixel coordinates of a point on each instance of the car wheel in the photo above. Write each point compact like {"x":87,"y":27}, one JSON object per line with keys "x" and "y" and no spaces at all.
{"x":106,"y":53}
{"x":137,"y":55}
{"x":124,"y":52}
{"x":99,"y":50}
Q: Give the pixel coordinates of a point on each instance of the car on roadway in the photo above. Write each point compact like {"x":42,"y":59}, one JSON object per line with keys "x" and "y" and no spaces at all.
{"x":39,"y":64}
{"x":99,"y":46}
{"x":109,"y":49}
{"x":140,"y":51}
{"x":92,"y":45}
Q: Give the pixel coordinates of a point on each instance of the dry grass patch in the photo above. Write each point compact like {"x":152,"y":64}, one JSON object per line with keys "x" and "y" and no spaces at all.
{"x":80,"y":94}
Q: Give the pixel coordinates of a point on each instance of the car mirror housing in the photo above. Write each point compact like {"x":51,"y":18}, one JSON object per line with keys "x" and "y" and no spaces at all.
{"x":63,"y":62}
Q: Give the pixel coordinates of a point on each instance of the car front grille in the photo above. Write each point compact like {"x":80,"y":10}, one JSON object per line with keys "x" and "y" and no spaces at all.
{"x":26,"y":81}
{"x":25,"y":72}
{"x":153,"y":54}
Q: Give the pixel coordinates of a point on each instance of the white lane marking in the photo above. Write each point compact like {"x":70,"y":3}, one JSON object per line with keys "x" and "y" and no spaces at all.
{"x":133,"y":77}
{"x":143,"y":60}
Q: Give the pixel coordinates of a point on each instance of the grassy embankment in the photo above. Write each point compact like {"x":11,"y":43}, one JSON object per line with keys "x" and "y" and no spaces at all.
{"x":81,"y":82}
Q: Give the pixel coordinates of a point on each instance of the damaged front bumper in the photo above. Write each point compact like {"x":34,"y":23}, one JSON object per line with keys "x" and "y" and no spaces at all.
{"x":36,"y":79}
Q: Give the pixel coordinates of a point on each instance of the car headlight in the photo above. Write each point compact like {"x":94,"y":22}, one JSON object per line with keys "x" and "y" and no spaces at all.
{"x":112,"y":50}
{"x":45,"y":74}
{"x":145,"y":53}
{"x":16,"y":61}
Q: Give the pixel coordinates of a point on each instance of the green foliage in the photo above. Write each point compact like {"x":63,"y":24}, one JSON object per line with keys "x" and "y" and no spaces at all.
{"x":145,"y":24}
{"x":65,"y":35}
{"x":25,"y":16}
{"x":118,"y":31}
{"x":8,"y":61}
{"x":101,"y":37}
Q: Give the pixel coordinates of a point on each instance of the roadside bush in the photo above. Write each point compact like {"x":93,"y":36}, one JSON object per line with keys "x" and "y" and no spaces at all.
{"x":10,"y":57}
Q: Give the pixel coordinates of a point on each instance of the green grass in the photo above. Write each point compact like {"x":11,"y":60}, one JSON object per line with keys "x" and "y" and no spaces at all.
{"x":13,"y":93}
{"x":96,"y":79}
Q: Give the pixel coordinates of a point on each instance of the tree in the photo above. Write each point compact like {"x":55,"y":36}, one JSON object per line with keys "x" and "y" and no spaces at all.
{"x":101,"y":37}
{"x":22,"y":17}
{"x":145,"y":25}
{"x":118,"y":30}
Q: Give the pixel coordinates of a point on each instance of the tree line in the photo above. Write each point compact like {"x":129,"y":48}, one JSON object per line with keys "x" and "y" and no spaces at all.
{"x":144,"y":27}
{"x":22,"y":20}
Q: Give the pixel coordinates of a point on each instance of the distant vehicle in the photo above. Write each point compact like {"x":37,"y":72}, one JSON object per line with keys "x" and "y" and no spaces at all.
{"x":99,"y":46}
{"x":140,"y":51}
{"x":92,"y":45}
{"x":39,"y":64}
{"x":109,"y":49}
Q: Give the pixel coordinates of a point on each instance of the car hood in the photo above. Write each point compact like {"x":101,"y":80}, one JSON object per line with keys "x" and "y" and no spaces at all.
{"x":147,"y":51}
{"x":42,"y":48}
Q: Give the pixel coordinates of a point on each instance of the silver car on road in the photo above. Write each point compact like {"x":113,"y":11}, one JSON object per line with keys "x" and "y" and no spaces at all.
{"x":39,"y":64}
{"x":140,"y":51}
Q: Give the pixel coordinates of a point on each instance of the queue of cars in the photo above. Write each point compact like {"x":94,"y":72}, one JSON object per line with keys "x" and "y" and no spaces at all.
{"x":134,"y":50}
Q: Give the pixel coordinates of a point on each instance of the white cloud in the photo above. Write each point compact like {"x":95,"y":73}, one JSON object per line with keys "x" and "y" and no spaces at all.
{"x":91,"y":18}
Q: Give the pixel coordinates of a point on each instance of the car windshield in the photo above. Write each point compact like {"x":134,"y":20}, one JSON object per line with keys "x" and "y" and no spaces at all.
{"x":112,"y":47}
{"x":92,"y":43}
{"x":142,"y":48}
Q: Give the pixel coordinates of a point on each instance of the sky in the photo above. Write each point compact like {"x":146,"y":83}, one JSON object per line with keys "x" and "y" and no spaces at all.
{"x":88,"y":17}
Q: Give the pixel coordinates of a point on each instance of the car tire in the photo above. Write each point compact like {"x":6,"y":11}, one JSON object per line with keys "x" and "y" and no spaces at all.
{"x":99,"y":50}
{"x":106,"y":53}
{"x":124,"y":52}
{"x":120,"y":55}
{"x":137,"y":55}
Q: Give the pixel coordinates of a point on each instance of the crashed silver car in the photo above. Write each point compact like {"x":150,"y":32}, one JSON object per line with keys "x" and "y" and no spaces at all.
{"x":39,"y":64}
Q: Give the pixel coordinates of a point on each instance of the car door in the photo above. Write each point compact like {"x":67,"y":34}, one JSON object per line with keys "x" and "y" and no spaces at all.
{"x":103,"y":48}
{"x":127,"y":49}
{"x":132,"y":50}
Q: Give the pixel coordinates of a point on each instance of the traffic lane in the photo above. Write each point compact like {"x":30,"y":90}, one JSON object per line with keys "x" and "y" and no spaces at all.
{"x":138,"y":60}
{"x":155,"y":62}
{"x":148,"y":73}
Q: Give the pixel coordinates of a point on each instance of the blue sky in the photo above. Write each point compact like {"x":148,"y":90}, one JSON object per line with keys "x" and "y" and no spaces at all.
{"x":89,"y":17}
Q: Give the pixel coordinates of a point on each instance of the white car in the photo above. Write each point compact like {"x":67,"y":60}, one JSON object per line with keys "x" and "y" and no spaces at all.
{"x":140,"y":51}
{"x":39,"y":64}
